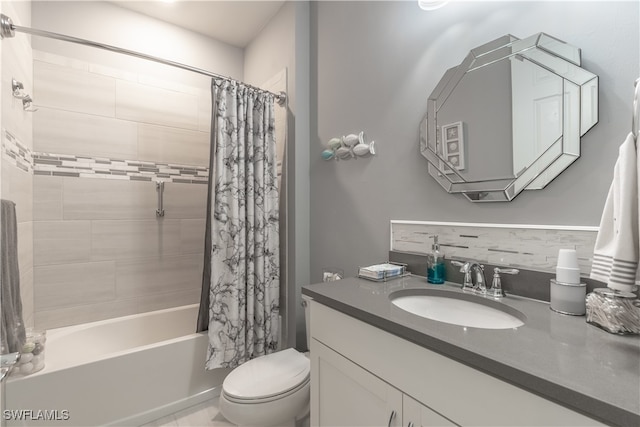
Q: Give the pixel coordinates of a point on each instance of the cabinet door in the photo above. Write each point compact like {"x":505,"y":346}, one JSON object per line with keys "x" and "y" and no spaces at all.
{"x":344,"y":394}
{"x":415,"y":414}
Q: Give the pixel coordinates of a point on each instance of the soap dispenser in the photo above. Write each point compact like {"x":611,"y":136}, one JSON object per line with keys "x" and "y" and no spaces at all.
{"x":435,"y":264}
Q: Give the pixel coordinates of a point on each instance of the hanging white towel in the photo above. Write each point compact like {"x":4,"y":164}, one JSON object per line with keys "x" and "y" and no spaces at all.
{"x":617,"y":249}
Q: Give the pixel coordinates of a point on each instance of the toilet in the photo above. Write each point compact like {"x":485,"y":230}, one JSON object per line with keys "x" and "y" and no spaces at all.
{"x":270,"y":390}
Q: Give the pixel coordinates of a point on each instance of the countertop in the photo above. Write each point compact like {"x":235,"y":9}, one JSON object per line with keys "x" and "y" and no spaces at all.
{"x":559,"y":357}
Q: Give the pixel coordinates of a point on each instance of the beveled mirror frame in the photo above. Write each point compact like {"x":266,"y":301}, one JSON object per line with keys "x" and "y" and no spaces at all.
{"x":579,"y":114}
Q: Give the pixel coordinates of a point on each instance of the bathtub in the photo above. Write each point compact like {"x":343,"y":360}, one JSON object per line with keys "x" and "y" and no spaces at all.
{"x":124,"y":371}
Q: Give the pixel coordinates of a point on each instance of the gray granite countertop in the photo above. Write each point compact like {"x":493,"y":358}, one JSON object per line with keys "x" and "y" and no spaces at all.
{"x":559,"y":357}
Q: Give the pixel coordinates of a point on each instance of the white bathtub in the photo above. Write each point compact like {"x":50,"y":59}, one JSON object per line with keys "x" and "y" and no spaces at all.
{"x":124,"y":371}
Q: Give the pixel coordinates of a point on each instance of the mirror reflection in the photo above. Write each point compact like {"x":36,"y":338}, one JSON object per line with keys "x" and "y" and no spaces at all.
{"x":508,"y":118}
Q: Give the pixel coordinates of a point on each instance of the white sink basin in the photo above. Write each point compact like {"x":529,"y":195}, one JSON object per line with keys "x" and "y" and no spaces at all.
{"x":458,"y":309}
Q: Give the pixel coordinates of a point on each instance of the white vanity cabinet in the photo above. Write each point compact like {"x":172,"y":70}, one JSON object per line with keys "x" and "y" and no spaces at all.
{"x":349,"y":395}
{"x":415,"y":414}
{"x":361,"y":375}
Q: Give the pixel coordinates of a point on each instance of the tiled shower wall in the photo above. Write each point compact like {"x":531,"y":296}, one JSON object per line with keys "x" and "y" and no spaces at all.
{"x":102,"y":136}
{"x":16,"y":177}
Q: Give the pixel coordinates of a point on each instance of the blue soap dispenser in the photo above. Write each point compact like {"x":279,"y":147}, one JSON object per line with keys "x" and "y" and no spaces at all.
{"x":435,"y":264}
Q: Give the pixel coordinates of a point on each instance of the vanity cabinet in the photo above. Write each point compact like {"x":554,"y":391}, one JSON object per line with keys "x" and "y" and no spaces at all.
{"x":351,"y":396}
{"x":361,"y":375}
{"x":415,"y":414}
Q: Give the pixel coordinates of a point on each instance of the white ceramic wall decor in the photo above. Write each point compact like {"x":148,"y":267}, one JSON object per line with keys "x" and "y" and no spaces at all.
{"x":347,"y":147}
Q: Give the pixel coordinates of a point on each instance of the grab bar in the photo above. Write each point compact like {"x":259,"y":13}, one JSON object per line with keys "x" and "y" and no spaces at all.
{"x":7,"y":362}
{"x":160,"y":190}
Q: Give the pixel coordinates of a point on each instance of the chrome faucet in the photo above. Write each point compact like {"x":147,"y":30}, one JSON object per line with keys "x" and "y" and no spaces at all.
{"x":468,"y":268}
{"x":480,"y":286}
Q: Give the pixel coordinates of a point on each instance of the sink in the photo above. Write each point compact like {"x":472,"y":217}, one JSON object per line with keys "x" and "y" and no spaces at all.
{"x":457,"y":308}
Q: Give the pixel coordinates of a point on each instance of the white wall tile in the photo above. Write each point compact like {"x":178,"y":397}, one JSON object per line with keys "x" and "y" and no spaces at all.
{"x":26,"y":295}
{"x":123,"y":239}
{"x":204,"y":111}
{"x":173,"y":85}
{"x":145,"y":277}
{"x":172,"y":145}
{"x":61,"y":242}
{"x":92,"y":234}
{"x":47,"y":198}
{"x":185,"y":201}
{"x":73,"y":284}
{"x":17,"y":186}
{"x":78,"y":134}
{"x":108,"y":199}
{"x":168,"y":300}
{"x":25,"y":246}
{"x":17,"y":62}
{"x":65,"y":316}
{"x":192,"y":233}
{"x":63,"y":61}
{"x":148,"y":104}
{"x":73,"y":90}
{"x":113,"y":72}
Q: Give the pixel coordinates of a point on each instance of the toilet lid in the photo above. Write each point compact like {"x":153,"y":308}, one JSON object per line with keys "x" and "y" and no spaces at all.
{"x":266,"y":376}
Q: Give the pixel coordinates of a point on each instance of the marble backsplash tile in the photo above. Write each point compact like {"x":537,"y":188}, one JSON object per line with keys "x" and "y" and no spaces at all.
{"x":532,"y":247}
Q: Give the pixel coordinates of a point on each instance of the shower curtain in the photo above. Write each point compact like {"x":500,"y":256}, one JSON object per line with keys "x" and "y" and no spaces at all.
{"x":240,"y":288}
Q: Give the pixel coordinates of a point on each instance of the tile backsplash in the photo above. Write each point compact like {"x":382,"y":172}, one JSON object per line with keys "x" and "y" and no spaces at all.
{"x":531,"y":247}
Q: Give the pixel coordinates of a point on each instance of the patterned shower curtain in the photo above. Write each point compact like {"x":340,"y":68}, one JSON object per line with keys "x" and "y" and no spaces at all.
{"x":241,"y":280}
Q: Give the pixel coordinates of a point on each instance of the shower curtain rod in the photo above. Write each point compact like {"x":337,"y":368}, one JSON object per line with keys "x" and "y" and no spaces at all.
{"x":8,"y":29}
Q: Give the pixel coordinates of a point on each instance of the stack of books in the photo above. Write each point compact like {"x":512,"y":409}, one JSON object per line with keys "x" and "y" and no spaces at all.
{"x":381,"y":271}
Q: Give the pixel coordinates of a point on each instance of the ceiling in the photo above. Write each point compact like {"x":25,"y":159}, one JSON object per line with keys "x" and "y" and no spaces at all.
{"x":235,"y":22}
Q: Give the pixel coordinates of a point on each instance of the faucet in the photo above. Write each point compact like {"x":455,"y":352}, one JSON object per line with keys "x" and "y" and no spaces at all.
{"x":468,"y":267}
{"x":480,"y":286}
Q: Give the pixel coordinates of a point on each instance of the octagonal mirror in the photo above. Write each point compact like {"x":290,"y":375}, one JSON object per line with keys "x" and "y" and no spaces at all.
{"x":508,"y":118}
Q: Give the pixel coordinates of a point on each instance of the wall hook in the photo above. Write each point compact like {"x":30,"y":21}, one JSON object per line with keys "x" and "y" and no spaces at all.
{"x":17,"y":88}
{"x":26,"y":104}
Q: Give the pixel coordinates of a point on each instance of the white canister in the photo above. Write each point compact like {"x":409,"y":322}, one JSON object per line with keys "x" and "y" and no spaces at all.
{"x":568,"y":298}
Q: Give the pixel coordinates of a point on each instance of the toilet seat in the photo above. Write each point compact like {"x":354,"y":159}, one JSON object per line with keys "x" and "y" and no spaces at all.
{"x":267,"y":378}
{"x":267,"y":399}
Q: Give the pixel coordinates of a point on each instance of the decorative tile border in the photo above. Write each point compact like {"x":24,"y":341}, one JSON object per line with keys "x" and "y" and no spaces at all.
{"x":105,"y":168}
{"x":97,"y":167}
{"x":16,"y":153}
{"x":532,"y":247}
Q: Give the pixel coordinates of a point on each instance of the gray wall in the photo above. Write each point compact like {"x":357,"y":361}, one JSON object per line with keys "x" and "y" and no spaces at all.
{"x":375,"y":63}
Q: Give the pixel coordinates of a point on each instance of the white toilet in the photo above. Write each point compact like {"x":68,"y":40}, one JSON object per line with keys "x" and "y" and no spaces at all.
{"x":271,"y":390}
